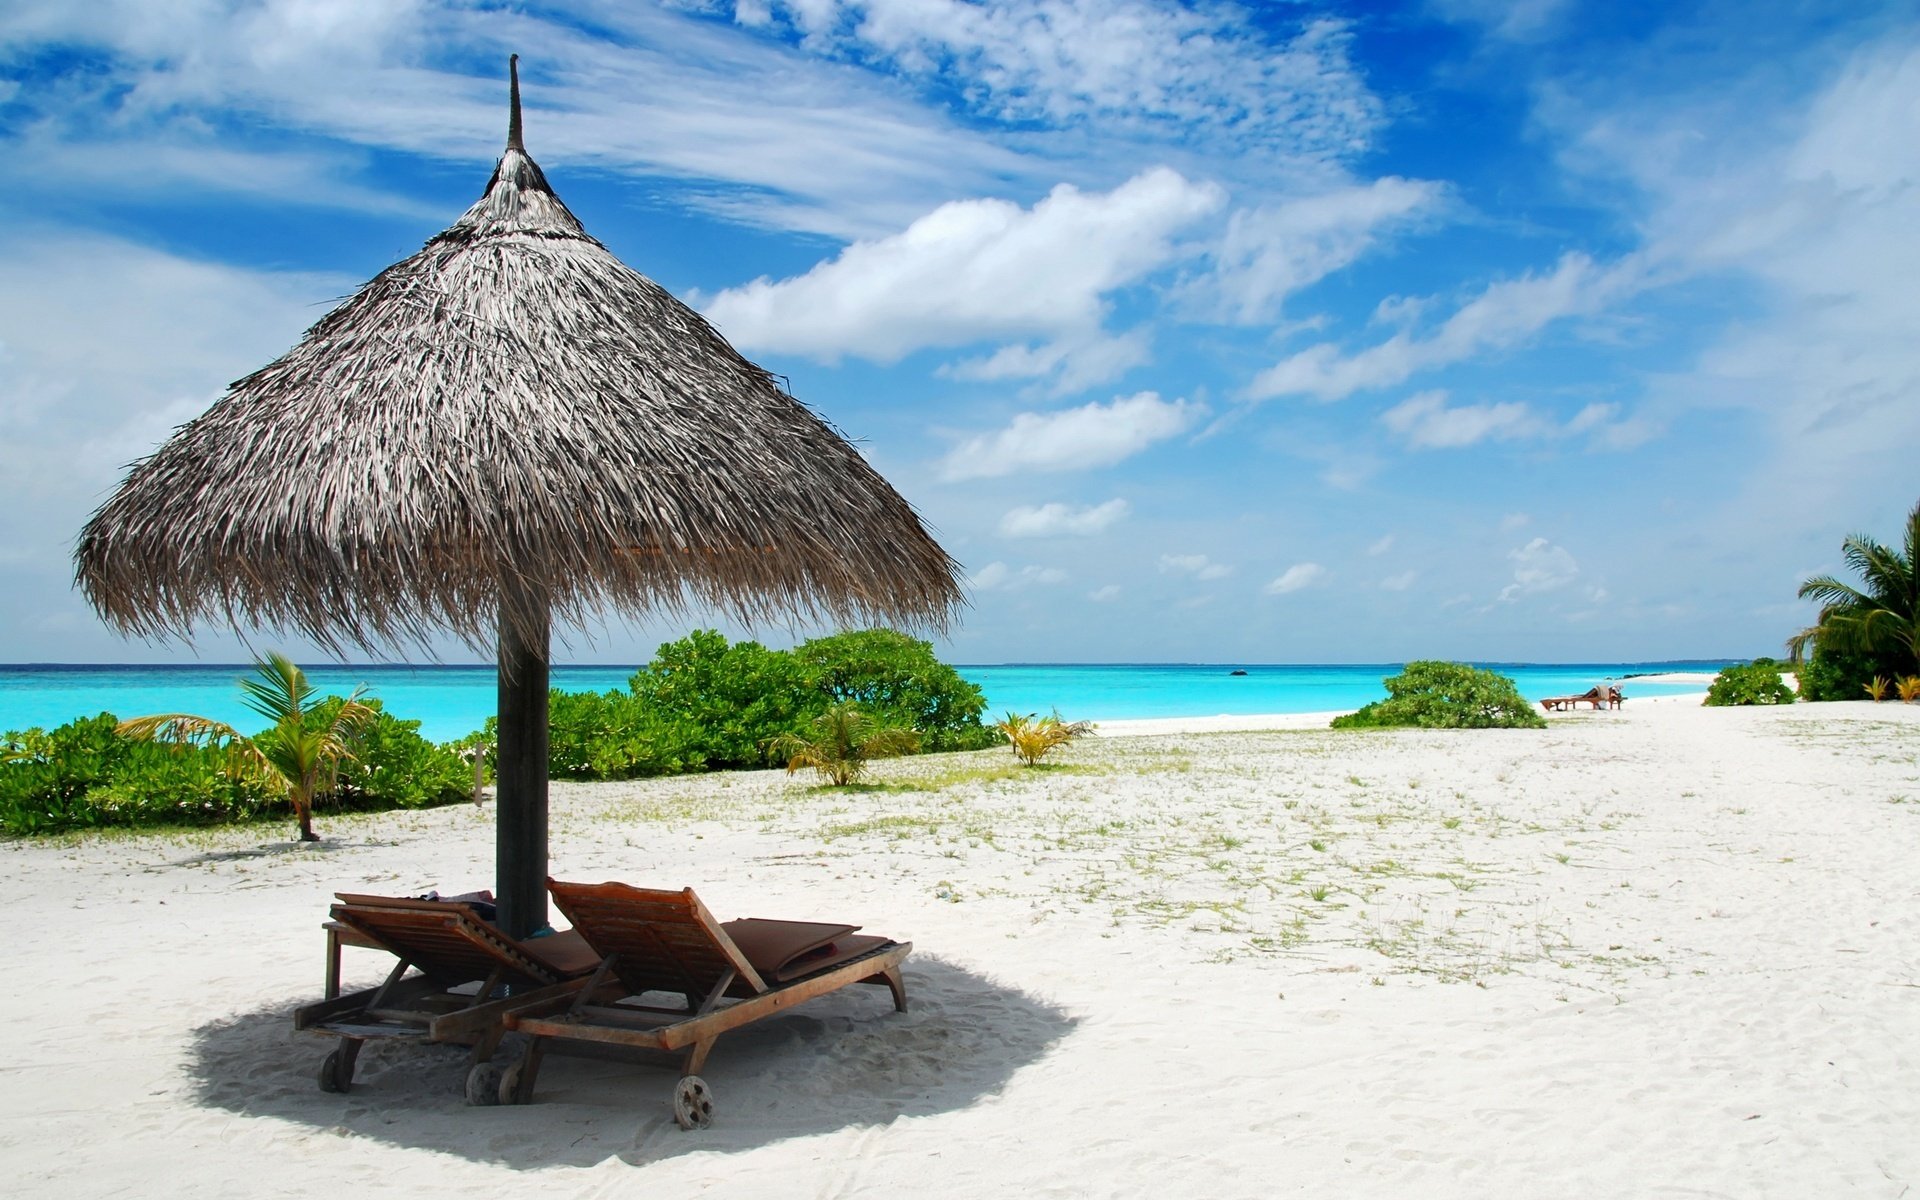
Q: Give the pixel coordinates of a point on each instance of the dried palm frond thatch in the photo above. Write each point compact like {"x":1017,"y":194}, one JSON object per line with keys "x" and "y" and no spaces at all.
{"x":509,"y":422}
{"x":510,"y":425}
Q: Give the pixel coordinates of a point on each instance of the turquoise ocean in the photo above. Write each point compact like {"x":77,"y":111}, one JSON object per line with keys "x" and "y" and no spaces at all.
{"x":450,"y":701}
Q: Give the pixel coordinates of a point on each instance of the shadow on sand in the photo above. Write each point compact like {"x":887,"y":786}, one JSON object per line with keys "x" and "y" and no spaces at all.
{"x":841,"y":1061}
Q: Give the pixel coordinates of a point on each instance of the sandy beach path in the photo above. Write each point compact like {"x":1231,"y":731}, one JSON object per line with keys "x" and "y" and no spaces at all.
{"x":1660,"y":951}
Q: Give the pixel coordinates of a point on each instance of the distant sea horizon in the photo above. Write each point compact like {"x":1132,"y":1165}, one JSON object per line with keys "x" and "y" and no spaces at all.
{"x":453,"y":699}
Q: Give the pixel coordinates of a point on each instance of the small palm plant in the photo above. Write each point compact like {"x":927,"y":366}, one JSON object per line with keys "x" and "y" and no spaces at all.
{"x":840,"y":742}
{"x":1909,"y":689}
{"x":1877,"y":689}
{"x":1031,"y":739}
{"x":291,"y":755}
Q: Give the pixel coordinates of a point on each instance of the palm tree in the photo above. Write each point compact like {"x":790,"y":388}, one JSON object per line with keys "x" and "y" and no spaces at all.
{"x":843,"y":741}
{"x":293,"y":755}
{"x":1883,"y":617}
{"x":1031,"y":739}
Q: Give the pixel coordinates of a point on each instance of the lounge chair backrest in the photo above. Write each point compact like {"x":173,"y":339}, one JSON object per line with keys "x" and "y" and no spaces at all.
{"x":444,"y":939}
{"x":661,"y":941}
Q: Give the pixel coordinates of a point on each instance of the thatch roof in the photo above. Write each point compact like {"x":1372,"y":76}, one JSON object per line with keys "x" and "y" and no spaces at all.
{"x":508,"y":411}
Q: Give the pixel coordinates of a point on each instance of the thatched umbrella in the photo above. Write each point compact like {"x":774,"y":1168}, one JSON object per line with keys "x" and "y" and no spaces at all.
{"x":509,"y":426}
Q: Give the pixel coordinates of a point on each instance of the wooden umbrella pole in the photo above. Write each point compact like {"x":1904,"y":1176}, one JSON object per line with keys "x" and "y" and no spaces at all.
{"x":520,"y":849}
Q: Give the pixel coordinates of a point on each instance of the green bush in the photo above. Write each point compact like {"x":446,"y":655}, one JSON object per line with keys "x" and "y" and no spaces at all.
{"x":705,"y":703}
{"x":1445,"y":695}
{"x":616,"y":735}
{"x":898,"y":681}
{"x":730,"y":700}
{"x":393,"y":766}
{"x":85,"y":775}
{"x":1831,"y":673}
{"x":1754,"y":683}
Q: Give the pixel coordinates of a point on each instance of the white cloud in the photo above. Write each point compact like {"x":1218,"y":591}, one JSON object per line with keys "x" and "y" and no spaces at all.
{"x":108,"y":347}
{"x":1198,"y":73}
{"x":1105,"y":593}
{"x":1053,"y":520}
{"x":1400,"y":582}
{"x":973,"y":271}
{"x":1513,"y":521}
{"x":1093,"y":435}
{"x":1070,"y":363}
{"x":1295,"y":577}
{"x":1503,"y":315}
{"x":1384,"y":544}
{"x":1268,"y":253}
{"x":1803,"y":203}
{"x":1425,"y":421}
{"x":999,"y":577}
{"x":1539,"y":566}
{"x":1197,"y":565}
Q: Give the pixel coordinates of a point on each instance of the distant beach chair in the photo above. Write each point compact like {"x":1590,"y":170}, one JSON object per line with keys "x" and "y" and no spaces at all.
{"x":1600,"y":696}
{"x":725,"y":976}
{"x":457,"y":979}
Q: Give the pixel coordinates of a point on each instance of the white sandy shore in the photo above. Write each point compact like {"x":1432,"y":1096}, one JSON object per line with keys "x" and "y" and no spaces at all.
{"x":1661,"y":951}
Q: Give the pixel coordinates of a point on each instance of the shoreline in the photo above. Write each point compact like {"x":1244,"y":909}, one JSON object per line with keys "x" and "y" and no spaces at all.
{"x":1260,"y":722}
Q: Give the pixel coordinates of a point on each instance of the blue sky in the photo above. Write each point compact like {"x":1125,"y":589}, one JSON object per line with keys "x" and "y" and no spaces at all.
{"x":1287,"y":332}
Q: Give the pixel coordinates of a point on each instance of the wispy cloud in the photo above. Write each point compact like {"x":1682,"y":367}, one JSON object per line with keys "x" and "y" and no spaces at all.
{"x":1539,"y":566}
{"x":1093,"y":435}
{"x":1053,"y":520}
{"x":999,"y":577}
{"x":1505,"y":314}
{"x":1296,"y":577}
{"x":1197,"y":565}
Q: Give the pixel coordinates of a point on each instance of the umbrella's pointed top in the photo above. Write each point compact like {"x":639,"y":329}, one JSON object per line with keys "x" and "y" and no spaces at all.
{"x":513,"y":114}
{"x":518,"y":198}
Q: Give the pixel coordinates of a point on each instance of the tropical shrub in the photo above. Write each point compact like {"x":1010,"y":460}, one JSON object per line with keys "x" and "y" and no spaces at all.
{"x":392,"y":765}
{"x":729,"y":698}
{"x":85,"y":775}
{"x":1443,"y":695}
{"x":1909,"y":689}
{"x":1877,"y":688}
{"x":899,"y":680}
{"x":1833,"y":673}
{"x":840,"y":743}
{"x":1031,"y":739}
{"x":1879,"y":621}
{"x":1751,"y":683}
{"x":299,"y":754}
{"x":616,"y":735}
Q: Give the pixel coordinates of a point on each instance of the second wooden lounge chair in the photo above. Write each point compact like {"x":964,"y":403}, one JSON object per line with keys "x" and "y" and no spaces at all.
{"x":729,"y":975}
{"x":466,"y":977}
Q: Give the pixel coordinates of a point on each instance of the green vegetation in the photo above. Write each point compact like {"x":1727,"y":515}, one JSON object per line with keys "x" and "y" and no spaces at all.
{"x":86,"y":774}
{"x":297,"y":756}
{"x":704,"y":703}
{"x":1757,"y":682}
{"x":840,"y":742}
{"x":1868,"y":631}
{"x":1031,"y":739}
{"x":1444,"y":695}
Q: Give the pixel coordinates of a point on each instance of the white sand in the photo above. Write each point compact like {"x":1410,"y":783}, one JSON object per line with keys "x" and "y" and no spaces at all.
{"x":1663,"y":951}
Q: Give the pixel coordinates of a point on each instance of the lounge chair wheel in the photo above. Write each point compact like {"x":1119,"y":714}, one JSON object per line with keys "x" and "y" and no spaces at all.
{"x":330,"y":1075}
{"x":483,"y":1084}
{"x":510,"y":1075}
{"x":692,"y":1103}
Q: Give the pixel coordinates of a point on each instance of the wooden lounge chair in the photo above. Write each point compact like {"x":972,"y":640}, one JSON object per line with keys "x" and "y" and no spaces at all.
{"x":726,"y":975}
{"x":1599,"y":697}
{"x":456,"y":980}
